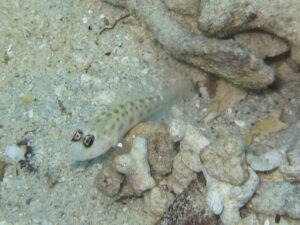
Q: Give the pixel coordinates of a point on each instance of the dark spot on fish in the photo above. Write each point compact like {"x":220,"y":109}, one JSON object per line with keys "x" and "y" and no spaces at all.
{"x":109,"y":115}
{"x":142,"y":101}
{"x":131,"y":119}
{"x":98,"y":120}
{"x":153,"y":107}
{"x":118,"y":119}
{"x":121,"y":126}
{"x":116,"y":111}
{"x":131,"y":109}
{"x":101,"y":115}
{"x":132,"y":103}
{"x":113,"y":126}
{"x":141,"y":114}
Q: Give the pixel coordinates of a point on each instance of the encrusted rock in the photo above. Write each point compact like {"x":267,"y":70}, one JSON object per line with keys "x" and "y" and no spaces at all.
{"x":158,"y":201}
{"x":225,"y":160}
{"x":224,"y":18}
{"x":277,"y":198}
{"x":126,"y":192}
{"x":294,"y":153}
{"x":290,"y":140}
{"x":181,"y":175}
{"x":290,"y":173}
{"x":135,"y":166}
{"x":108,"y":181}
{"x":161,"y":151}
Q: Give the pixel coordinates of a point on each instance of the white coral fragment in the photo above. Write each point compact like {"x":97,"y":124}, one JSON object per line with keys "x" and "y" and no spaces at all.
{"x":136,"y":167}
{"x":14,"y":152}
{"x":226,"y":199}
{"x":177,"y":129}
{"x":191,"y":145}
{"x":187,"y":162}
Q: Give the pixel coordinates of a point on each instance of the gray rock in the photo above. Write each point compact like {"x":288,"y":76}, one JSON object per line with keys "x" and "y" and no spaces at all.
{"x":290,"y":173}
{"x":290,"y":139}
{"x":267,"y":161}
{"x":277,"y":198}
{"x":225,"y":160}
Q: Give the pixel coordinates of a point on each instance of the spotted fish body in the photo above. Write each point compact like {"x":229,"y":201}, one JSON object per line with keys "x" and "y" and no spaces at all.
{"x":109,"y":127}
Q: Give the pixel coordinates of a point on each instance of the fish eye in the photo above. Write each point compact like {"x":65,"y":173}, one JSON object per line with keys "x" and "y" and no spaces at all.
{"x":77,"y":136}
{"x":88,"y":140}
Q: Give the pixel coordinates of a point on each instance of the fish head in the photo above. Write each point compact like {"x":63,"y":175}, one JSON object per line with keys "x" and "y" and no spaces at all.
{"x":88,"y":145}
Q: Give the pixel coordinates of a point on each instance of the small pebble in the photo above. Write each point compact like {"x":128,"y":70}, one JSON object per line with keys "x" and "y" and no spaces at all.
{"x":14,"y":152}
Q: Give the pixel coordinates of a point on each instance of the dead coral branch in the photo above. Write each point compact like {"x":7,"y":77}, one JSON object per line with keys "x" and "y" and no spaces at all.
{"x":224,"y":58}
